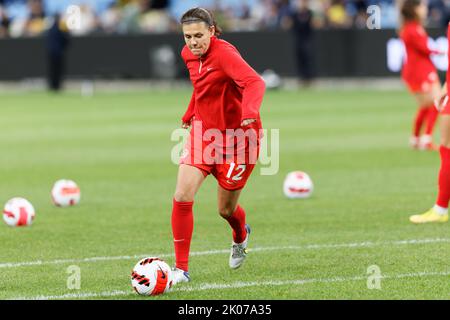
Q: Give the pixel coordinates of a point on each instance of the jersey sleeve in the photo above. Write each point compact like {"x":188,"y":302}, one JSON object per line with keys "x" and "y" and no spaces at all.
{"x":190,"y":110}
{"x":419,"y":42}
{"x":246,"y":78}
{"x":191,"y":107}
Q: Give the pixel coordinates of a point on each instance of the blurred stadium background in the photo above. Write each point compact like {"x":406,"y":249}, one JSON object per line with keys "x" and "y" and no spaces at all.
{"x":140,"y":40}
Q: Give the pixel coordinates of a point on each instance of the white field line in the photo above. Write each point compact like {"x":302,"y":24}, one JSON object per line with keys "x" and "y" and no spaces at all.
{"x":366,"y":244}
{"x":236,"y":285}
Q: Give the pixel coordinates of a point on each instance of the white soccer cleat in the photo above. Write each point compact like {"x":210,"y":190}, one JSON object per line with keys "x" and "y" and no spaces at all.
{"x":179,"y":276}
{"x":414,"y":142}
{"x":426,"y":143}
{"x":239,"y":251}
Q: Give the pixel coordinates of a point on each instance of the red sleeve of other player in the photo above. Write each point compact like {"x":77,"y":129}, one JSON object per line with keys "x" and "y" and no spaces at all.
{"x":416,"y":38}
{"x":246,"y":78}
{"x":448,"y":53}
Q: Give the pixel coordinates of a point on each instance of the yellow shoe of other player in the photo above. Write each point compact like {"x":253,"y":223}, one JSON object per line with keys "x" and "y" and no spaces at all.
{"x":429,"y":216}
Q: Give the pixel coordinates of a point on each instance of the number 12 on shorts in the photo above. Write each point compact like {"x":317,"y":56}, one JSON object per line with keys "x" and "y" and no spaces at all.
{"x":237,"y":173}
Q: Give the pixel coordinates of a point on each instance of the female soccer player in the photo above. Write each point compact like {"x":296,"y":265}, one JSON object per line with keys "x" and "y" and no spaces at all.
{"x":439,"y":213}
{"x":419,"y":72}
{"x":227,"y":96}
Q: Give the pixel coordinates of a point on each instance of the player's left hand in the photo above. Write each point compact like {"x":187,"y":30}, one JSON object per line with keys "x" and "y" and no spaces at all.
{"x":246,"y":122}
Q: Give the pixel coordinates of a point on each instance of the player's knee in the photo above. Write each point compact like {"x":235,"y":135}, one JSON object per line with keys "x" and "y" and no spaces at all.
{"x":426,"y":101}
{"x":183,"y":196}
{"x":430,"y":102}
{"x":445,"y":143}
{"x":225,"y":212}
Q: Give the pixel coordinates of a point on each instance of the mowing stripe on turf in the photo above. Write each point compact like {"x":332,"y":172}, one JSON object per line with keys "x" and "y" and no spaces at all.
{"x":223,"y":251}
{"x":236,"y":285}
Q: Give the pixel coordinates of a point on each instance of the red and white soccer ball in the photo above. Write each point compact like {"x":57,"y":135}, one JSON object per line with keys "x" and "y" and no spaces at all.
{"x":65,"y":193}
{"x":298,"y":184}
{"x":151,"y":276}
{"x":18,"y":212}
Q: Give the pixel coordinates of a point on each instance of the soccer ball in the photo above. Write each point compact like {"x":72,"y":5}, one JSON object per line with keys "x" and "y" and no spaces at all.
{"x":151,"y":276}
{"x":65,"y":193}
{"x":18,"y":212}
{"x":298,"y":184}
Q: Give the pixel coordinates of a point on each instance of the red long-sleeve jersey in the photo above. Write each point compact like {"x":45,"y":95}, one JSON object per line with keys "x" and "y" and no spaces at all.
{"x":226,"y":89}
{"x":446,"y":101}
{"x":448,"y":53}
{"x":418,"y":62}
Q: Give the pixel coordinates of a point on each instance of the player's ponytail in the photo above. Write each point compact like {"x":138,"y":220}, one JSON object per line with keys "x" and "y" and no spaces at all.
{"x":201,"y":15}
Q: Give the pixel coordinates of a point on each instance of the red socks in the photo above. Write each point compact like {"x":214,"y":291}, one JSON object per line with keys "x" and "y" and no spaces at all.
{"x":421,"y":116}
{"x":426,"y":114}
{"x":182,"y":227}
{"x":237,"y":223}
{"x":444,"y":178}
{"x":431,"y":119}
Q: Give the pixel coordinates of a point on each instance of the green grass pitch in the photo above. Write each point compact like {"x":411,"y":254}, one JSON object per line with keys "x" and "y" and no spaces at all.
{"x":116,"y":146}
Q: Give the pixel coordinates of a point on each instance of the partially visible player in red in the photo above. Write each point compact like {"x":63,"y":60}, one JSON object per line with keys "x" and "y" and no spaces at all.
{"x":419,"y":73}
{"x":227,"y":95}
{"x":439,"y":212}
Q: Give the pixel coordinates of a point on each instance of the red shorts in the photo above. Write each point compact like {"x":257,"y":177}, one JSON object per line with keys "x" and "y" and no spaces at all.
{"x":421,"y":83}
{"x":231,"y":164}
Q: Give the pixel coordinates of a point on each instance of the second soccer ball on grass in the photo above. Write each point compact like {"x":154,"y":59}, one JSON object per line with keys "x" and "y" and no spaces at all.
{"x":298,"y":184}
{"x":65,"y":193}
{"x":18,"y":212}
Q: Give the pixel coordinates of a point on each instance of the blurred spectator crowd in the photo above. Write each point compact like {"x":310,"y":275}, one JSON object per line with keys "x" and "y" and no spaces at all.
{"x":19,"y":18}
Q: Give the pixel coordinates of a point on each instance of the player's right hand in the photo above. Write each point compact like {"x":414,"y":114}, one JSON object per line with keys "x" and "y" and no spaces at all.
{"x":186,"y":125}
